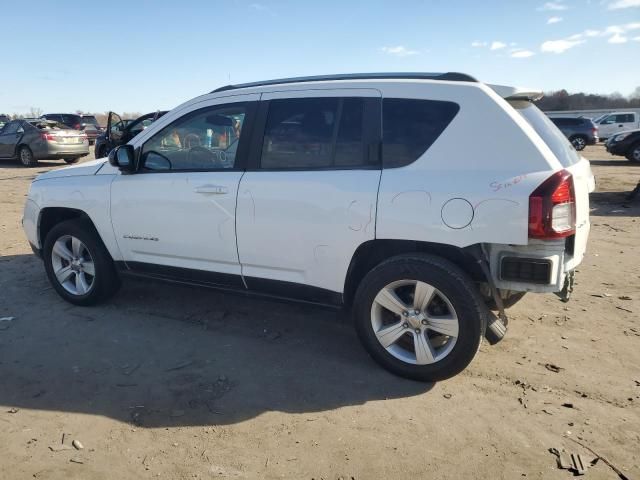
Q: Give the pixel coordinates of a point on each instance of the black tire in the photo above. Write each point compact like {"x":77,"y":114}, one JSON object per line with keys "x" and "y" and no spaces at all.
{"x":509,"y":301}
{"x":634,"y":153}
{"x":578,"y":142}
{"x":105,"y":282}
{"x":102,"y":152}
{"x":72,"y":160}
{"x":459,"y":289}
{"x":25,"y":155}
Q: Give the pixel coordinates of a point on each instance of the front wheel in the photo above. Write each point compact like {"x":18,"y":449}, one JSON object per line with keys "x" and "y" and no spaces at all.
{"x":78,"y":265}
{"x":420,"y":317}
{"x":634,"y":153}
{"x":102,"y":152}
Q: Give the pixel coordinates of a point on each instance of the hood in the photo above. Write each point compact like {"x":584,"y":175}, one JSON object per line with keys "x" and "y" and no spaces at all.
{"x":81,"y":169}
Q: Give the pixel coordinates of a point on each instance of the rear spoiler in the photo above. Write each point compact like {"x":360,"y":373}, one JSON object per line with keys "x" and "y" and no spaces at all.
{"x":517,"y":93}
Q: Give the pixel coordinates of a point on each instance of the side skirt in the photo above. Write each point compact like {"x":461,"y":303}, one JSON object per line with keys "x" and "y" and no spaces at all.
{"x":257,"y":287}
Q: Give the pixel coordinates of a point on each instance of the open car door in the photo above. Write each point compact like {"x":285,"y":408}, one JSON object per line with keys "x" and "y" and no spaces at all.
{"x":115,"y":128}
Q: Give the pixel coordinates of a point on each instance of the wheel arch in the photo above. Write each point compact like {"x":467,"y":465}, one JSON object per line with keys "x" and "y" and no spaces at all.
{"x":52,"y":216}
{"x":373,"y":252}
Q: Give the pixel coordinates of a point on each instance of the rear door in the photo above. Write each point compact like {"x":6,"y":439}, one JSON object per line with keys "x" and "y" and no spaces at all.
{"x":308,"y":199}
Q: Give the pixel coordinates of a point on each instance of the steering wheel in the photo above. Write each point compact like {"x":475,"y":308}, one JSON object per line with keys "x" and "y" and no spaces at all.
{"x":215,"y":159}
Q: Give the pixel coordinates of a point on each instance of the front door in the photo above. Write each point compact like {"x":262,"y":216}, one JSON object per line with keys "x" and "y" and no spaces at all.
{"x":309,"y":198}
{"x":176,"y":216}
{"x":9,"y":137}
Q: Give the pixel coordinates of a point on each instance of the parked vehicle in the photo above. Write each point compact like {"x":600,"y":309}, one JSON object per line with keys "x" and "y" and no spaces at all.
{"x":89,"y":124}
{"x":580,"y":131}
{"x":4,"y":119}
{"x":350,"y":190}
{"x":617,"y":122}
{"x":76,"y":122}
{"x":30,"y":141}
{"x":119,"y":131}
{"x":625,"y":144}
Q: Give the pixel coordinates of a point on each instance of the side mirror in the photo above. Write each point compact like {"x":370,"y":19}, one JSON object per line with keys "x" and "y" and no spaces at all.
{"x":123,"y":157}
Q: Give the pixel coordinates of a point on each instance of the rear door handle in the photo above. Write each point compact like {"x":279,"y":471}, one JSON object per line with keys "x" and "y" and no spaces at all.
{"x":212,"y":189}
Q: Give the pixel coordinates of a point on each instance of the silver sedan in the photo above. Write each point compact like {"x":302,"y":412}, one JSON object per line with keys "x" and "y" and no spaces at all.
{"x":33,"y":140}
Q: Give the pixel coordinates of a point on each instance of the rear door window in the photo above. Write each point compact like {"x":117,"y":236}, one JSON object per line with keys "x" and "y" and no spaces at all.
{"x":314,"y":133}
{"x":549,"y":133}
{"x":410,"y":127}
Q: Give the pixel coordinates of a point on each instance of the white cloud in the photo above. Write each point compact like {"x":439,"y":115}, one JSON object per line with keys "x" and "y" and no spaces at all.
{"x":617,"y":38}
{"x":553,"y":6}
{"x":479,"y":44}
{"x":592,"y":33}
{"x":399,"y":51}
{"x":522,"y":54}
{"x":619,"y":4}
{"x":559,"y":46}
{"x":497,"y":45}
{"x":576,"y":36}
{"x":636,"y":39}
{"x":553,"y":20}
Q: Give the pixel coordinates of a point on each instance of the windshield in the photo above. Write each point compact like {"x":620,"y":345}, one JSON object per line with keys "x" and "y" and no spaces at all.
{"x":552,"y":136}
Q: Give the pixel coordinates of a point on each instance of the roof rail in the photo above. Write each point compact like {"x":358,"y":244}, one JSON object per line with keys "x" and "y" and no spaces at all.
{"x":448,"y":76}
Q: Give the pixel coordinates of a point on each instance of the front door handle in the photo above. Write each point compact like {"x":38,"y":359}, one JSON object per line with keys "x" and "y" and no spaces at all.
{"x":212,"y":189}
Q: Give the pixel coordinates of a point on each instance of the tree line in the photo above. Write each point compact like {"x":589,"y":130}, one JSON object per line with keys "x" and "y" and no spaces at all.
{"x":563,"y":100}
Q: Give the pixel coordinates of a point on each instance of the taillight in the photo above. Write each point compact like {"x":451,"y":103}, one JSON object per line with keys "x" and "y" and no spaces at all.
{"x":77,"y":126}
{"x":594,"y":130}
{"x":48,"y":137}
{"x":552,"y":208}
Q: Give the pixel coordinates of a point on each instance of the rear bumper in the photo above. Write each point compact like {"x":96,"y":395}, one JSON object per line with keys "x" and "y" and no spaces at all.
{"x":53,"y":151}
{"x":540,"y":267}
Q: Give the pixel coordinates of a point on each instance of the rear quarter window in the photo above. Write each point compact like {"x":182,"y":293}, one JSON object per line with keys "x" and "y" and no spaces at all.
{"x":410,"y":127}
{"x":550,"y":134}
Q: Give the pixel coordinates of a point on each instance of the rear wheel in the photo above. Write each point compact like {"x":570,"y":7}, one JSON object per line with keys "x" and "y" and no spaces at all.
{"x":78,"y":265}
{"x":634,"y":153}
{"x":578,"y":142}
{"x":420,"y":317}
{"x":72,"y":160}
{"x":26,"y":157}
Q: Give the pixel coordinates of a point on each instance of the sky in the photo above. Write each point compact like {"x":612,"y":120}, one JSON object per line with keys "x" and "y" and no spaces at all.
{"x":145,"y":55}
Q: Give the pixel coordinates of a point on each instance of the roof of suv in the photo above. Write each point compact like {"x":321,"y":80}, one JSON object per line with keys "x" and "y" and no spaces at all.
{"x":448,"y":76}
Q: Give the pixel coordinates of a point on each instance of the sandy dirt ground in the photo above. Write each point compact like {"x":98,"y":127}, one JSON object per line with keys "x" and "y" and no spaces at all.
{"x":175,"y":382}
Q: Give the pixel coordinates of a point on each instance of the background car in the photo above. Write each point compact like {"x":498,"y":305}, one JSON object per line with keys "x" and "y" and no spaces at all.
{"x":617,"y":122}
{"x":120,"y":131}
{"x":76,"y":122}
{"x":30,"y":141}
{"x":580,"y":131}
{"x":625,"y":144}
{"x":4,"y":118}
{"x":91,"y":122}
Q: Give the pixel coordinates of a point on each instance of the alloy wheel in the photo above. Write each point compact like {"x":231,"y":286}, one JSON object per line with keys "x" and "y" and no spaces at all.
{"x":414,"y":322}
{"x":26,"y":156}
{"x":579,"y":143}
{"x":73,"y":265}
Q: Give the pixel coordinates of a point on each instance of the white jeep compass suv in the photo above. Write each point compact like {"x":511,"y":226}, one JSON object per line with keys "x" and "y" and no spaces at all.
{"x":421,"y":201}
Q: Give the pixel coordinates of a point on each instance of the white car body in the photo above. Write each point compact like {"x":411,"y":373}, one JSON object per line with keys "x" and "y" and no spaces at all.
{"x":617,"y":122}
{"x":313,"y":234}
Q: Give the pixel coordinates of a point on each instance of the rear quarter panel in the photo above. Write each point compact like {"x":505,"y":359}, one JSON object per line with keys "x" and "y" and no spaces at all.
{"x":473,"y":184}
